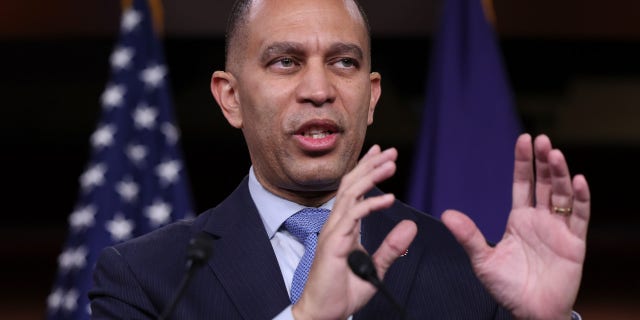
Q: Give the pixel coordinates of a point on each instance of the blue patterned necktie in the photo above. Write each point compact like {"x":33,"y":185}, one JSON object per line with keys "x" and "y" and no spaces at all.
{"x":305,"y":225}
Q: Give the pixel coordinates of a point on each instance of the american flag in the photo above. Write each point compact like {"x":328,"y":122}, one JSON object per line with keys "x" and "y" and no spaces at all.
{"x":135,"y":181}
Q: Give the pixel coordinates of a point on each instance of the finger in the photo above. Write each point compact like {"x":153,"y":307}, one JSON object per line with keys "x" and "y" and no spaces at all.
{"x":375,"y":149}
{"x":344,"y":224}
{"x":352,"y":190}
{"x":542,"y":147}
{"x":561,"y":187}
{"x":363,"y":184}
{"x":394,"y":245}
{"x":522,"y":173}
{"x":369,"y":162}
{"x":360,"y":180}
{"x":467,"y":234}
{"x":579,"y":220}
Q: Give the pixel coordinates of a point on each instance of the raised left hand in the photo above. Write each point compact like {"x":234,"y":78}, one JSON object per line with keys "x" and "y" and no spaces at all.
{"x":535,"y":270}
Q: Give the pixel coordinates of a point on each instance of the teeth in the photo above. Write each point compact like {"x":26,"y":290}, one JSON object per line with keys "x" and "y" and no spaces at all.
{"x":316,"y":134}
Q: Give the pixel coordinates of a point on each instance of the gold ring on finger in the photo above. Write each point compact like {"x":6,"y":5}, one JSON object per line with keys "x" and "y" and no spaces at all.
{"x":563,"y":211}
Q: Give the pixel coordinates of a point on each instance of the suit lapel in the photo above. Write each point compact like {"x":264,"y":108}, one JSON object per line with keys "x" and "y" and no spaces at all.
{"x":243,"y":259}
{"x":400,"y":276}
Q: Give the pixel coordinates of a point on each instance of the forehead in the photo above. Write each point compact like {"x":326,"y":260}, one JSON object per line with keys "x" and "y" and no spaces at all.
{"x":306,"y":22}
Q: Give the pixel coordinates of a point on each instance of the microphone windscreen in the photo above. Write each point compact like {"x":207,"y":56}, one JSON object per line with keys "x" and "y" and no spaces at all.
{"x":361,"y":264}
{"x":200,"y":247}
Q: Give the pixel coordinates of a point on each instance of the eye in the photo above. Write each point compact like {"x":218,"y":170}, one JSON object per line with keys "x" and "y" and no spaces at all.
{"x":284,"y":65}
{"x":346,"y":63}
{"x":285,"y":62}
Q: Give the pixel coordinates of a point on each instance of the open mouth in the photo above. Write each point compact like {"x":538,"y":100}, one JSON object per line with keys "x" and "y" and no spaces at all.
{"x":318,"y":136}
{"x":317,"y":129}
{"x":316,"y":133}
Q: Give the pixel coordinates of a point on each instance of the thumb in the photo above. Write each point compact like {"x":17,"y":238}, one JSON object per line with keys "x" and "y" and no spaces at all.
{"x":467,"y":234}
{"x":394,"y":245}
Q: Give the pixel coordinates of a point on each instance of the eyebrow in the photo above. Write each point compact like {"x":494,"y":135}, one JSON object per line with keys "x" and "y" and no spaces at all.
{"x":297,"y":49}
{"x":346,"y":49}
{"x":279,"y":48}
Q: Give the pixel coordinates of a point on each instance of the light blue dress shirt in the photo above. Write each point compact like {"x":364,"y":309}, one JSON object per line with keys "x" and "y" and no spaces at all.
{"x":274,"y":211}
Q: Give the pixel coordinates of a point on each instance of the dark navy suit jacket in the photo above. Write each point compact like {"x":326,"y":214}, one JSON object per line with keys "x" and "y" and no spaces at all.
{"x":242,"y":279}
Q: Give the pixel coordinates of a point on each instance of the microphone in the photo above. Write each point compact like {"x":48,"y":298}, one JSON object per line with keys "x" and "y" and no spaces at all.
{"x":361,"y":264}
{"x":198,"y":253}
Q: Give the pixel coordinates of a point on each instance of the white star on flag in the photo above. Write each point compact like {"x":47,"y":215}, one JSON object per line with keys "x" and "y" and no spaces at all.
{"x":170,"y":132}
{"x":158,"y":213}
{"x":128,"y":190}
{"x":113,"y":96}
{"x":130,"y":20}
{"x":54,"y":300}
{"x":121,"y":58}
{"x":103,"y":136}
{"x":93,"y":177}
{"x":168,"y":171}
{"x":73,"y":258}
{"x":70,"y":301}
{"x":82,"y":218}
{"x":153,"y":75}
{"x":120,"y":228}
{"x":59,"y":299}
{"x":145,"y":116}
{"x":136,"y":153}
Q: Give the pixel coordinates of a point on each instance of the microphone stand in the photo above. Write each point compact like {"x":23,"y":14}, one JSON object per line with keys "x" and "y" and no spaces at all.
{"x":198,"y":252}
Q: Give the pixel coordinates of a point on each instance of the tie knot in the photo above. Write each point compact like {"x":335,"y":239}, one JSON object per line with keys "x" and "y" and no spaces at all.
{"x":306,"y":221}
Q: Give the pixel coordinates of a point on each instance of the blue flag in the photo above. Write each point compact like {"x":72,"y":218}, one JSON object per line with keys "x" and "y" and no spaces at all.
{"x":465,"y":151}
{"x":135,"y":181}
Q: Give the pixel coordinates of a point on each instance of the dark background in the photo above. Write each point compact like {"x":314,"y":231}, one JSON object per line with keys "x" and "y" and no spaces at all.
{"x":574,"y":68}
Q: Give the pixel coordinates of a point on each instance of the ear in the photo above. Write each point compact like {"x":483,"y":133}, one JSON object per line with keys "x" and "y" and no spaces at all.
{"x":376,"y":90}
{"x":224,"y":90}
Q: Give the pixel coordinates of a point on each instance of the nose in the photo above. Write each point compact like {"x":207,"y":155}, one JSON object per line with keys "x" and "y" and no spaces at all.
{"x":316,"y":86}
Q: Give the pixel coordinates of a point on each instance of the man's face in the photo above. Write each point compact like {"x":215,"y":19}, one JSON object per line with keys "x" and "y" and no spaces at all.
{"x":305,"y":94}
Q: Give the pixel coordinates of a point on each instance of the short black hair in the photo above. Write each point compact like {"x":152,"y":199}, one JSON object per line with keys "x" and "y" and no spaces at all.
{"x":238,"y":19}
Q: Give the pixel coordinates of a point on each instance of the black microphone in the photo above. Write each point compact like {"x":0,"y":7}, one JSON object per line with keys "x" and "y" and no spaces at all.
{"x":198,"y":253}
{"x":361,"y":264}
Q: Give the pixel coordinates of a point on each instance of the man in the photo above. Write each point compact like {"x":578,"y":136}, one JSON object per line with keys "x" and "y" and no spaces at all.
{"x":299,"y":86}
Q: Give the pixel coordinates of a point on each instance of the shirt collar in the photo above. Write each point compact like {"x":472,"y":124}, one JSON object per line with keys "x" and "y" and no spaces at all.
{"x":274,"y":210}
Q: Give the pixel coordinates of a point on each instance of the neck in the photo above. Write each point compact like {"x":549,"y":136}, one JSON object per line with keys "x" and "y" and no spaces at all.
{"x":308,"y":195}
{"x":306,"y":198}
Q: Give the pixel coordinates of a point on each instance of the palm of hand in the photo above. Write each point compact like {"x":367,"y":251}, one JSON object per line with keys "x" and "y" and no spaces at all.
{"x":535,"y":270}
{"x":538,"y":252}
